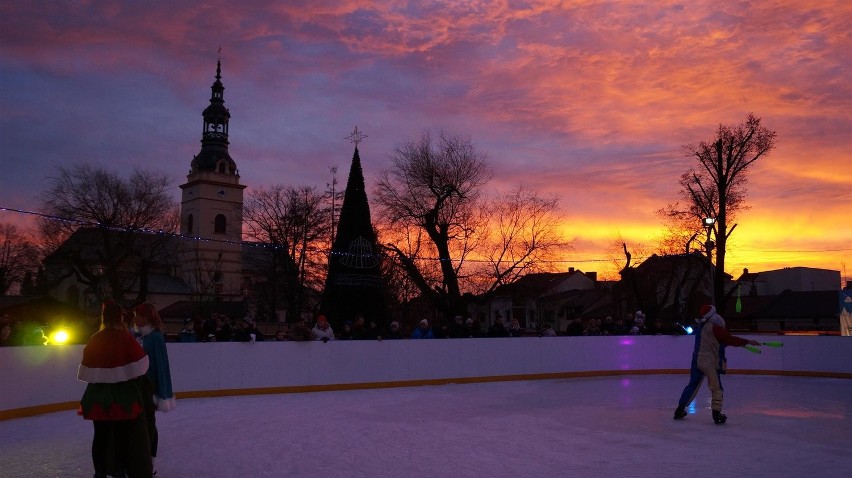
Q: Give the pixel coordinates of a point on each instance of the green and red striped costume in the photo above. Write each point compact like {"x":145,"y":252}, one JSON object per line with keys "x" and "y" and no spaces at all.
{"x":112,"y":362}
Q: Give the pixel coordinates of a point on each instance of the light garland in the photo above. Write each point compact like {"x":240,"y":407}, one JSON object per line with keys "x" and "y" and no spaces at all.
{"x":264,"y":245}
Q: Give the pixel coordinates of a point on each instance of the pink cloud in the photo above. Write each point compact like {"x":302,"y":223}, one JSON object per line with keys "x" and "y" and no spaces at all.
{"x":591,"y":100}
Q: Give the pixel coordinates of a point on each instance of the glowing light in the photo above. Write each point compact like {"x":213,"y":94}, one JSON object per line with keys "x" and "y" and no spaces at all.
{"x":688,"y":330}
{"x":59,"y":337}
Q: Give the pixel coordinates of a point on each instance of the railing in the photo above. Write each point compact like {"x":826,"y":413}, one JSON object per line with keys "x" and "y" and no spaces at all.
{"x":40,"y":379}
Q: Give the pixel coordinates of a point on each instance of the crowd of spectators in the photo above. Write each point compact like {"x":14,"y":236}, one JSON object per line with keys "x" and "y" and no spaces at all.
{"x":19,"y":332}
{"x":221,"y":328}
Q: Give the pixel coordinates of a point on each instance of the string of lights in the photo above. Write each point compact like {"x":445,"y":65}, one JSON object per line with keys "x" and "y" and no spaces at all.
{"x":255,"y":244}
{"x":176,"y":235}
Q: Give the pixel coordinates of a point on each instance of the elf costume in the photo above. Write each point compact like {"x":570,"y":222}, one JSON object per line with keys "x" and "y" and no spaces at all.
{"x":114,"y":365}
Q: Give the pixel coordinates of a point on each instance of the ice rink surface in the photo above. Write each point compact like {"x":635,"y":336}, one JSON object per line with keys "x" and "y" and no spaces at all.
{"x":618,"y":426}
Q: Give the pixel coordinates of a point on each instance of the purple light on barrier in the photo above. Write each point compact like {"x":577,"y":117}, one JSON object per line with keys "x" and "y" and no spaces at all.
{"x":626,"y":341}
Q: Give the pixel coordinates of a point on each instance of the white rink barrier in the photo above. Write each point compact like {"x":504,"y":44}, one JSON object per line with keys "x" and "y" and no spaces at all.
{"x":41,"y":379}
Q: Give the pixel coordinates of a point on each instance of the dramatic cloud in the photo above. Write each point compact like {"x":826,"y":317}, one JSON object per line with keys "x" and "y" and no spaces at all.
{"x":590,"y":100}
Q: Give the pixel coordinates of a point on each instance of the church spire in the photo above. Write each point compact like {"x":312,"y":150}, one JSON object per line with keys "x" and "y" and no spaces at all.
{"x":216,"y":116}
{"x":214,"y":154}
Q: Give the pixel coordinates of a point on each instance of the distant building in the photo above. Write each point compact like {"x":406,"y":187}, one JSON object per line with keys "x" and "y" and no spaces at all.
{"x":194,"y":271}
{"x":668,"y":287}
{"x":798,"y":279}
{"x":793,"y":299}
{"x":552,"y":297}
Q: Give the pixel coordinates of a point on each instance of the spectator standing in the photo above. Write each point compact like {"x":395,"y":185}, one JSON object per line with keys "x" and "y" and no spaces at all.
{"x":359,"y":331}
{"x":442,"y":331}
{"x":210,"y":325}
{"x":639,"y":324}
{"x":592,"y":328}
{"x":515,"y":329}
{"x":455,"y":329}
{"x":607,"y":326}
{"x":423,"y":331}
{"x":618,"y":328}
{"x":224,"y":331}
{"x":472,"y":329}
{"x":198,"y":327}
{"x":373,"y":332}
{"x":299,"y":332}
{"x":5,"y":335}
{"x":575,"y":328}
{"x":395,"y":332}
{"x":114,"y":365}
{"x":498,"y":329}
{"x":187,"y":333}
{"x":346,"y":334}
{"x":242,"y":334}
{"x":255,"y":331}
{"x":656,"y":328}
{"x":322,"y":330}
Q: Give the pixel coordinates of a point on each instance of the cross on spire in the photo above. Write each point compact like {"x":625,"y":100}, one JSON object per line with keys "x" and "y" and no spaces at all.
{"x":356,"y":137}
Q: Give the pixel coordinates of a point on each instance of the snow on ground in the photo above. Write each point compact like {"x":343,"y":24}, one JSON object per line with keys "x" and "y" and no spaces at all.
{"x":601,"y":427}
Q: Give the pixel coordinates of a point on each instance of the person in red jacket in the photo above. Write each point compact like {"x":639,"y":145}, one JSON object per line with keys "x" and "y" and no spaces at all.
{"x":713,"y":336}
{"x":113,"y":365}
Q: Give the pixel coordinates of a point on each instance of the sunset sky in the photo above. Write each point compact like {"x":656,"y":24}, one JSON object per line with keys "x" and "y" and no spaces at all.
{"x":590,"y":100}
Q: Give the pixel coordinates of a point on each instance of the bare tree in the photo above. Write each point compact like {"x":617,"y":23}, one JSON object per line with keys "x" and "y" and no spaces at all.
{"x":434,"y":187}
{"x":121,"y":211}
{"x":523,"y":235}
{"x":292,"y":225}
{"x":18,"y":257}
{"x":716,"y":187}
{"x":446,"y":235}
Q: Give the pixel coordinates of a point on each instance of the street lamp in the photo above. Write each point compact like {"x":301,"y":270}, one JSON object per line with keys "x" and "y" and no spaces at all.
{"x":708,"y":223}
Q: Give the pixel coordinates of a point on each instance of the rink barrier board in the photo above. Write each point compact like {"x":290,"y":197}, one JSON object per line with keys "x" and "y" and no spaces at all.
{"x":36,"y":379}
{"x":66,"y":406}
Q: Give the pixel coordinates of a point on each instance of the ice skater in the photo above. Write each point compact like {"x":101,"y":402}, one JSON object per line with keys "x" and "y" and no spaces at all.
{"x":695,"y":375}
{"x":711,"y":339}
{"x":158,"y":389}
{"x":114,"y":366}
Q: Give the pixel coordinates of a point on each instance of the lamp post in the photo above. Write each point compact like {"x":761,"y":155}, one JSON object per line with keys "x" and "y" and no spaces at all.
{"x":708,"y":223}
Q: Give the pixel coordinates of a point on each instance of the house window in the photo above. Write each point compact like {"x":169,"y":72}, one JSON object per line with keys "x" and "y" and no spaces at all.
{"x":219,"y":224}
{"x":189,"y":224}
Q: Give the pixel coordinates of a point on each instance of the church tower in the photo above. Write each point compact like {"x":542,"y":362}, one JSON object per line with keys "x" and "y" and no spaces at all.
{"x":211,"y":208}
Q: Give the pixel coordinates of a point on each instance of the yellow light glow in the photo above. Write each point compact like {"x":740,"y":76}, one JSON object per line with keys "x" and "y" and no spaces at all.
{"x":59,"y":337}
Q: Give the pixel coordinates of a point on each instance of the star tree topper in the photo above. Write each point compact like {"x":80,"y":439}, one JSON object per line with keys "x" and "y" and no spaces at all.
{"x":356,"y":137}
